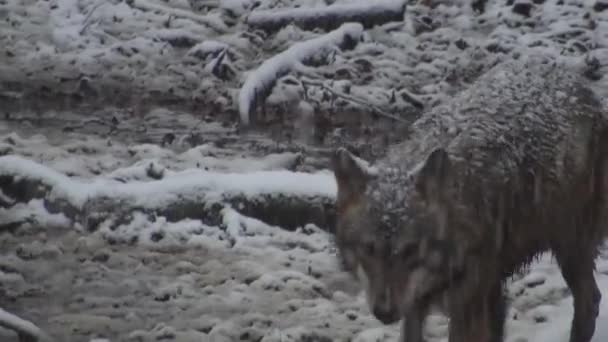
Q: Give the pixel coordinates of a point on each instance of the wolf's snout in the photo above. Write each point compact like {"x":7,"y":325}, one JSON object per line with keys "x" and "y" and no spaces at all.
{"x":383,"y":310}
{"x":385,"y":315}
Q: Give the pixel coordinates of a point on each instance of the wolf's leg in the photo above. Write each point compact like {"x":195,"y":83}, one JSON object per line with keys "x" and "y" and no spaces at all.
{"x":488,"y":315}
{"x":412,"y":326}
{"x":497,"y":312}
{"x":481,"y":318}
{"x":461,"y":317}
{"x":578,"y":274}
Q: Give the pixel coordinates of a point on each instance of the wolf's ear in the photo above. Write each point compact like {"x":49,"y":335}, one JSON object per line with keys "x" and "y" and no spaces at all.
{"x":351,"y":172}
{"x":433,"y":176}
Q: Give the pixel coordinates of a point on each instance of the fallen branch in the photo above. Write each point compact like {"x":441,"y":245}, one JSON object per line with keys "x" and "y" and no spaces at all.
{"x":368,"y":14}
{"x":283,"y":198}
{"x":411,"y":98}
{"x":26,"y":330}
{"x":86,"y":22}
{"x":5,"y":201}
{"x":374,"y":109}
{"x":219,"y":27}
{"x":259,"y":83}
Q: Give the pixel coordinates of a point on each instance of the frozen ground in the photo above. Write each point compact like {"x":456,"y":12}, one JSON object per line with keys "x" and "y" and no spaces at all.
{"x":125,"y":102}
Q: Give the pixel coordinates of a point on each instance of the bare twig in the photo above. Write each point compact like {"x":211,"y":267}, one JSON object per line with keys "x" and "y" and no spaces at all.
{"x":86,"y":21}
{"x":147,"y":6}
{"x":195,"y":127}
{"x":5,"y":201}
{"x":84,"y":124}
{"x":375,"y":109}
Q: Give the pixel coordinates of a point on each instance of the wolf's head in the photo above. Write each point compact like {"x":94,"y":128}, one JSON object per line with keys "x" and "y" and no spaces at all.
{"x":392,"y":231}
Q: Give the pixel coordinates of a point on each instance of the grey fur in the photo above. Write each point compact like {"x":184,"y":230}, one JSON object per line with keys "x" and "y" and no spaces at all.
{"x":512,"y":167}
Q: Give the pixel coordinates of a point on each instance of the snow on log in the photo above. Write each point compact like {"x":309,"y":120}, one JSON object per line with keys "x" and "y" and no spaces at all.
{"x":260,"y":82}
{"x":26,"y":330}
{"x":283,"y":198}
{"x":368,"y":13}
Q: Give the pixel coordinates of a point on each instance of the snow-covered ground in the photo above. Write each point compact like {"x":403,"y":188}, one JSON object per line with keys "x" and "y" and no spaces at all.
{"x":131,"y":106}
{"x":242,"y":280}
{"x":160,"y":51}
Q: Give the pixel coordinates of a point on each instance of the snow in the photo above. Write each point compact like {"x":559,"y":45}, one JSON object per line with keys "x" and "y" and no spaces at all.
{"x":282,"y":63}
{"x":364,"y":165}
{"x":149,"y":278}
{"x":558,"y":314}
{"x":95,"y":40}
{"x":157,"y":193}
{"x":34,"y":213}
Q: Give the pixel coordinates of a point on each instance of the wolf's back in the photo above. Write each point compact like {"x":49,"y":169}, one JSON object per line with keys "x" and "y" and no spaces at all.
{"x":526,"y":103}
{"x":524,"y":123}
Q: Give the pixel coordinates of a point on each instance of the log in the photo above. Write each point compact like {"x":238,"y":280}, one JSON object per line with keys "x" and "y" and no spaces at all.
{"x":259,"y":83}
{"x":283,"y":210}
{"x":282,"y":198}
{"x":368,"y":14}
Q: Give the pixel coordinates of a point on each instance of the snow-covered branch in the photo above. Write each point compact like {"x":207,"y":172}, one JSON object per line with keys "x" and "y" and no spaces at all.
{"x":26,"y":330}
{"x":284,"y":198}
{"x":369,"y":14}
{"x":260,"y":82}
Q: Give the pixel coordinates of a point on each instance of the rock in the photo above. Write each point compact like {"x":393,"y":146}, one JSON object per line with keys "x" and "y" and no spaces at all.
{"x":461,"y":44}
{"x":523,"y":8}
{"x":479,"y":6}
{"x":600,"y":5}
{"x":101,"y":256}
{"x":88,"y":244}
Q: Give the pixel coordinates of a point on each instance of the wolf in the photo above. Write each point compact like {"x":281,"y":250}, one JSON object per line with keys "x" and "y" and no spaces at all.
{"x":512,"y":167}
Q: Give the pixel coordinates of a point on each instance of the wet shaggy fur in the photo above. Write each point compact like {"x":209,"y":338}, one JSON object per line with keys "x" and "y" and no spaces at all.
{"x":515,"y":166}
